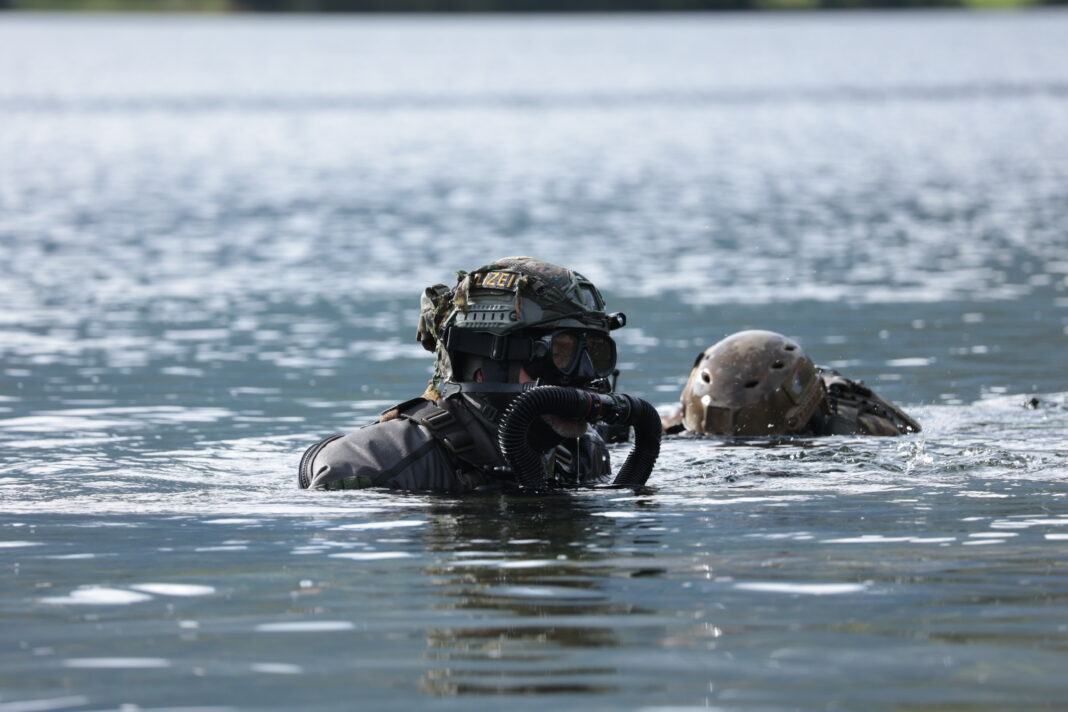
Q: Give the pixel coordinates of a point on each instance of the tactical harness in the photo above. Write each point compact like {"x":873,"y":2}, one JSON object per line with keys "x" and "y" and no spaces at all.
{"x":457,"y":430}
{"x":467,"y":432}
{"x":467,"y":453}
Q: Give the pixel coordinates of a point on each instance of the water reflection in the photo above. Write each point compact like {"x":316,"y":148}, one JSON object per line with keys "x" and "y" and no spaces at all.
{"x":503,"y":562}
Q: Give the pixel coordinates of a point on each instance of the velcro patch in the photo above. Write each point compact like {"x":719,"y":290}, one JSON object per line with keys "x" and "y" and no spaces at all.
{"x":496,"y":280}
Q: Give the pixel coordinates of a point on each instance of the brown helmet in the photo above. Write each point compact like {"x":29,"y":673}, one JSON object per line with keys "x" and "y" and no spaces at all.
{"x":752,"y":383}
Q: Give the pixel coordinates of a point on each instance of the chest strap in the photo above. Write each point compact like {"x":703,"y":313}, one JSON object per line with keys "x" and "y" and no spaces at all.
{"x":463,"y":438}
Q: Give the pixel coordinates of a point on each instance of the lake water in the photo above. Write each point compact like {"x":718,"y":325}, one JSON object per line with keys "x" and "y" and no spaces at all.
{"x":213,"y":234}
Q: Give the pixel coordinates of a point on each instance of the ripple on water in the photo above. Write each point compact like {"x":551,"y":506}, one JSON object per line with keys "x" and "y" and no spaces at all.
{"x":305,"y":627}
{"x":174,"y":589}
{"x":138,"y":593}
{"x":804,"y":589}
{"x":396,"y":524}
{"x":98,"y":596}
{"x":555,"y":593}
{"x":116,"y":663}
{"x":233,"y":520}
{"x":276,"y":668}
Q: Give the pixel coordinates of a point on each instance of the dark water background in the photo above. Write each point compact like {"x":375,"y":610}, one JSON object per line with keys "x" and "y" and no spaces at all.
{"x":213,"y":232}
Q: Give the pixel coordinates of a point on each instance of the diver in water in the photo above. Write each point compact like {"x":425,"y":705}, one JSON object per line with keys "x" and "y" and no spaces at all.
{"x":761,"y":383}
{"x":503,"y":329}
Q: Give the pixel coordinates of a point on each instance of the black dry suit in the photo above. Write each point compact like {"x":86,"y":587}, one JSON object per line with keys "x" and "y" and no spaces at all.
{"x":449,"y":446}
{"x":455,"y":445}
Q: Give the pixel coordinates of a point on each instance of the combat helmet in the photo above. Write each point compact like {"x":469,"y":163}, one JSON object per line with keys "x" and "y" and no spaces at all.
{"x":502,"y":314}
{"x":752,"y":383}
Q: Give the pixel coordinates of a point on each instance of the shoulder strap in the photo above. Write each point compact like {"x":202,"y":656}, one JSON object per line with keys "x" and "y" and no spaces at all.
{"x":449,"y":424}
{"x":396,"y":410}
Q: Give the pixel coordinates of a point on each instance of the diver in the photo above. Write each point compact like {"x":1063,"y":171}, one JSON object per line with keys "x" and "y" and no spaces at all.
{"x":757,"y":383}
{"x":500,"y":333}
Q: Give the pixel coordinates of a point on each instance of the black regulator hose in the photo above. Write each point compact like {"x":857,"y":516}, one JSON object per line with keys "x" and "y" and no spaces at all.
{"x":591,"y":407}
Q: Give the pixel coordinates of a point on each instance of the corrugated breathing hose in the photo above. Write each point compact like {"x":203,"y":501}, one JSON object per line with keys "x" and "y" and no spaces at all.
{"x":591,"y":407}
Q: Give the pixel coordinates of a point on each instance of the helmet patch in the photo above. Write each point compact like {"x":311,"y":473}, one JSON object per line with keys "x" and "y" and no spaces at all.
{"x":497,"y":279}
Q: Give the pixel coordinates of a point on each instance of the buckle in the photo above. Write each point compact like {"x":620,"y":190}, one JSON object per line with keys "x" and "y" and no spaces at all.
{"x":441,"y":419}
{"x":457,"y":448}
{"x":497,"y":348}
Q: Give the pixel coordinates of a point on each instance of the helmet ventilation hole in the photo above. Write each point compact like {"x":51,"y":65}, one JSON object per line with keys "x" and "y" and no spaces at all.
{"x":777,"y":364}
{"x":752,"y":384}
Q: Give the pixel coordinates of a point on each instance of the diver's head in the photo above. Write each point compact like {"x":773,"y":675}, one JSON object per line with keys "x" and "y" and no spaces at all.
{"x":752,"y":383}
{"x":515,"y":321}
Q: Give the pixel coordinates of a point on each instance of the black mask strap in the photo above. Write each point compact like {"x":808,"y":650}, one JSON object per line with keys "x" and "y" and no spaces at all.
{"x":499,"y":347}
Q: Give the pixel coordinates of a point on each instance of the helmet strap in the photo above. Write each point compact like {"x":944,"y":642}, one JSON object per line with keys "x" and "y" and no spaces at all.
{"x":499,"y":347}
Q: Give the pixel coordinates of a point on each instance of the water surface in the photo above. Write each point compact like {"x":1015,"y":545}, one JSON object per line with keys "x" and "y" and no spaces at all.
{"x":213,"y":233}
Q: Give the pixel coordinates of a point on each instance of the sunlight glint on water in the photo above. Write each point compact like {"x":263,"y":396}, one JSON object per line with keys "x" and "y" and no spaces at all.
{"x":213,"y":234}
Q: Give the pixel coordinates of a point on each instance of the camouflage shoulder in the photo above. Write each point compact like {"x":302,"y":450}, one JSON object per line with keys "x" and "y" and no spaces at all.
{"x":870,"y":413}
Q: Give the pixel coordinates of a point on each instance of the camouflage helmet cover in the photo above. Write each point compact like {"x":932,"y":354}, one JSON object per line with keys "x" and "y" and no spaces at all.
{"x":752,"y":383}
{"x":503,"y":296}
